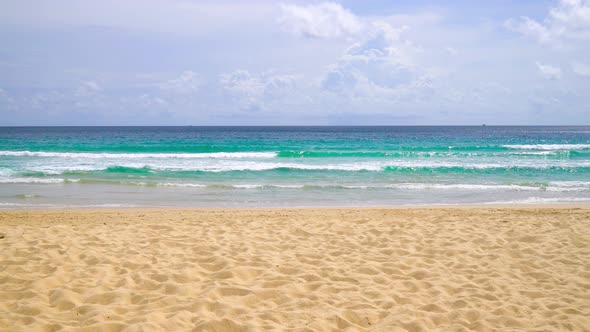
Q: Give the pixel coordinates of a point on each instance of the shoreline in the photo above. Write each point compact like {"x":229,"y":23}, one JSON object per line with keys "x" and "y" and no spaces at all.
{"x":564,"y":205}
{"x":310,"y":269}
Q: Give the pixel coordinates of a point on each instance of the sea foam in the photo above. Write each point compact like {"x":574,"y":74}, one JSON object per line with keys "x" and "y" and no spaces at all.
{"x":548,"y":146}
{"x":88,"y":155}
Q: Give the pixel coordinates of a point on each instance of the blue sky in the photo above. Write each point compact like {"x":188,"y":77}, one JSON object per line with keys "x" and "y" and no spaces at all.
{"x":183,"y":62}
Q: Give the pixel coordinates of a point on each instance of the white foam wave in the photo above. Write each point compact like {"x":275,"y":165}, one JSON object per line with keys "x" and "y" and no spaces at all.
{"x":568,"y":186}
{"x":422,"y":186}
{"x":188,"y":185}
{"x":548,"y":146}
{"x":8,"y":205}
{"x":557,"y":186}
{"x":535,"y":153}
{"x":11,"y":204}
{"x":570,"y":183}
{"x":554,"y":186}
{"x":540,"y":200}
{"x":247,"y":186}
{"x":564,"y":186}
{"x":229,"y":186}
{"x":88,"y":155}
{"x":203,"y":166}
{"x":7,"y":180}
{"x":247,"y":165}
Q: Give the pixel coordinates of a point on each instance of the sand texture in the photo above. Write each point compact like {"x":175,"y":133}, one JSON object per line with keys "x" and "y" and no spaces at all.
{"x":379,"y":269}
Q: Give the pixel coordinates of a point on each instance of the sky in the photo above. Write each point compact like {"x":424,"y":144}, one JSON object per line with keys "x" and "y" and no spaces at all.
{"x":394,"y":62}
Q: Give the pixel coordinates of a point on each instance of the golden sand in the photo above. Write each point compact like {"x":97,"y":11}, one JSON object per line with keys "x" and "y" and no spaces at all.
{"x":381,"y":269}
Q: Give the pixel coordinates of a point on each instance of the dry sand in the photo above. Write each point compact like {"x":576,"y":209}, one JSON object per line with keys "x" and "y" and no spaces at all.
{"x":382,"y":269}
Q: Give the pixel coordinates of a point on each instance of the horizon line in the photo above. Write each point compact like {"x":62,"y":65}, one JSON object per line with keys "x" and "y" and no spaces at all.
{"x":287,"y":126}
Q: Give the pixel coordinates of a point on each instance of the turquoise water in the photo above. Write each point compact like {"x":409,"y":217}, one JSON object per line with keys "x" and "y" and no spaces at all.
{"x":292,"y":166}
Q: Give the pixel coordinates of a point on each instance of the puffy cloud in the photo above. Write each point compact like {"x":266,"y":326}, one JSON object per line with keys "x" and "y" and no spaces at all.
{"x":251,"y":91}
{"x":88,"y":88}
{"x":532,"y":28}
{"x":242,"y":82}
{"x":188,"y":82}
{"x":382,"y":38}
{"x":323,"y":20}
{"x":384,"y":75}
{"x":573,"y":15}
{"x":6,"y":101}
{"x":354,"y":76}
{"x":569,"y":20}
{"x":548,"y":71}
{"x":147,"y":101}
{"x":581,"y":69}
{"x":380,"y":64}
{"x":4,"y":95}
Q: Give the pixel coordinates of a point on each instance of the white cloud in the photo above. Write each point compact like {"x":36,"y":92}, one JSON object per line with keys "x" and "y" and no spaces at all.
{"x":581,"y":69}
{"x":188,"y":82}
{"x":381,"y":37}
{"x":548,"y":71}
{"x":88,"y":88}
{"x":243,"y":83}
{"x":572,"y":14}
{"x":147,"y":101}
{"x":6,"y":101}
{"x":382,"y":64}
{"x":531,"y":28}
{"x":323,"y":20}
{"x":569,"y":20}
{"x":3,"y":93}
{"x":253,"y":90}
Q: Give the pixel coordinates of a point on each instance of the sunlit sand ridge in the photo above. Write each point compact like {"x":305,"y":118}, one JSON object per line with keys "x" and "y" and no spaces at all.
{"x":307,"y":269}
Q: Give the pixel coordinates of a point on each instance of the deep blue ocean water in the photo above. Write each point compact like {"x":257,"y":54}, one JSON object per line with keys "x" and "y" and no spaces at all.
{"x":292,"y":166}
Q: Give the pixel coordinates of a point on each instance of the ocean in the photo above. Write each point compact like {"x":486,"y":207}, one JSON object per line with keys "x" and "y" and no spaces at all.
{"x":46,"y":167}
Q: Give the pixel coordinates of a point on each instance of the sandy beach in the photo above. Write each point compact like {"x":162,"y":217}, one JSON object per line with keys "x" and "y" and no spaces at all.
{"x":326,"y":269}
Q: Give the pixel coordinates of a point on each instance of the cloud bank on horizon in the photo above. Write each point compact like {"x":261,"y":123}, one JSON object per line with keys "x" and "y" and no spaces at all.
{"x":180,"y":62}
